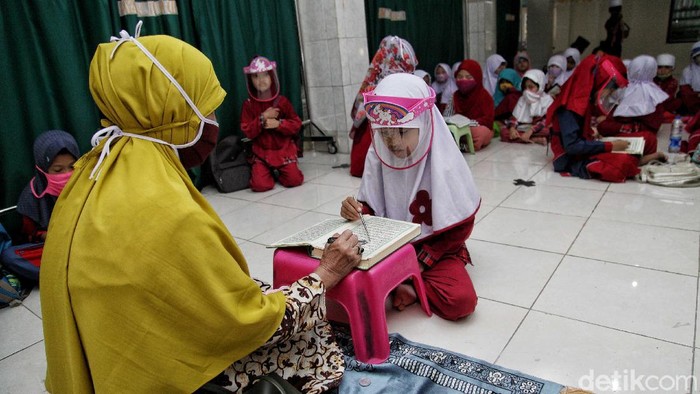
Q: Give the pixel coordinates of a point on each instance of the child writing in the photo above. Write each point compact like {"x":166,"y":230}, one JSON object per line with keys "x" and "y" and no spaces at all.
{"x":55,"y":151}
{"x":528,"y":121}
{"x":269,"y":120}
{"x":415,"y":173}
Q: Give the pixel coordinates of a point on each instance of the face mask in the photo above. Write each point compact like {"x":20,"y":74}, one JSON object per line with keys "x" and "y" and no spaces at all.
{"x":56,"y":183}
{"x":195,"y":155}
{"x":466,"y":85}
{"x":555,"y":71}
{"x":441,"y":77}
{"x":531,"y":97}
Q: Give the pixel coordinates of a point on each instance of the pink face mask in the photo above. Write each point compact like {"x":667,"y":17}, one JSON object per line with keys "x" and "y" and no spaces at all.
{"x":56,"y":183}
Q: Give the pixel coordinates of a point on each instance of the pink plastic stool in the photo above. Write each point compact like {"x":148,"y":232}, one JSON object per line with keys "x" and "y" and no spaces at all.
{"x":362,"y":294}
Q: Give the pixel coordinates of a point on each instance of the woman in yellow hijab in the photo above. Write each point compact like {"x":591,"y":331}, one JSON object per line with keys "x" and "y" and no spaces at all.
{"x":143,"y":289}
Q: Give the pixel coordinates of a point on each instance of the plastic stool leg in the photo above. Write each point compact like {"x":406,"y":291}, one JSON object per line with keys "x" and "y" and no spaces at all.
{"x":370,"y":335}
{"x":470,"y":141}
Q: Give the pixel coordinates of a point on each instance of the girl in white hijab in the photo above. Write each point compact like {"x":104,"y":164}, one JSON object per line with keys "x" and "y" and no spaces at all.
{"x":444,"y":85}
{"x":494,"y":65}
{"x":556,"y":74}
{"x":690,"y":82}
{"x":527,"y":124}
{"x":415,"y":172}
{"x":573,"y":58}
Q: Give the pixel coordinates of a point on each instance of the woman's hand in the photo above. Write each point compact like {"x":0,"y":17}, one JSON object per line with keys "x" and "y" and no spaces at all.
{"x":351,"y":209}
{"x":339,"y":258}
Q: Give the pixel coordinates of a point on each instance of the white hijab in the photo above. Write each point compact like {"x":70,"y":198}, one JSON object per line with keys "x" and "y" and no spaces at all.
{"x":691,"y":73}
{"x":439,"y":189}
{"x":576,"y":55}
{"x":642,"y":95}
{"x":559,"y":61}
{"x":448,"y":87}
{"x":490,"y":79}
{"x":531,"y":105}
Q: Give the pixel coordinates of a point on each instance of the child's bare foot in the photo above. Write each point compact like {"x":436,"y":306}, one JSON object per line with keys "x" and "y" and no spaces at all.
{"x":652,"y":156}
{"x":404,"y":295}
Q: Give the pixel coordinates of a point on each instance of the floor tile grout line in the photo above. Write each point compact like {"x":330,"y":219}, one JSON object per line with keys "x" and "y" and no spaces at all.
{"x":21,"y":350}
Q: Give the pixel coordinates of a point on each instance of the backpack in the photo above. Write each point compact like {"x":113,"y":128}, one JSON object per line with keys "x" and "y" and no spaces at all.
{"x":681,"y":174}
{"x":229,"y":164}
{"x":11,"y":293}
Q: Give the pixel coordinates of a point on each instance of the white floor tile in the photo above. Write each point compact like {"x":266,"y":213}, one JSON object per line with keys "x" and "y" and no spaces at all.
{"x":494,"y":192}
{"x":259,"y":260}
{"x":312,"y":171}
{"x":483,"y":211}
{"x":249,"y":195}
{"x":33,"y":302}
{"x":510,"y":274}
{"x":20,"y":329}
{"x":554,"y":199}
{"x":536,"y":230}
{"x":664,"y":249}
{"x":521,"y":154}
{"x":664,"y":212}
{"x":504,"y":171}
{"x":623,"y":297}
{"x":483,"y":334}
{"x":576,"y":353}
{"x":661,"y":192}
{"x":308,"y":196}
{"x":24,"y":372}
{"x":339,"y":178}
{"x":248,"y":223}
{"x":548,"y":177}
{"x":224,"y":204}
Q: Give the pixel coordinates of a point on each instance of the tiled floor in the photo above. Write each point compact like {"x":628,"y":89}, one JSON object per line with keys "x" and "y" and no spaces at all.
{"x":581,"y":282}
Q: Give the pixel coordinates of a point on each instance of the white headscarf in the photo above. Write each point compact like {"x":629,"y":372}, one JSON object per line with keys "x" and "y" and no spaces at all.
{"x":642,"y":95}
{"x":576,"y":55}
{"x":448,"y":87}
{"x":531,"y":105}
{"x":666,"y":59}
{"x":438,"y":192}
{"x":490,"y":78}
{"x":423,"y":74}
{"x":559,"y":61}
{"x":691,"y":73}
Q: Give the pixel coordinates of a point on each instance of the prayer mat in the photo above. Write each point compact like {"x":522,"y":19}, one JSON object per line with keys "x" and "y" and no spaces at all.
{"x":417,"y":368}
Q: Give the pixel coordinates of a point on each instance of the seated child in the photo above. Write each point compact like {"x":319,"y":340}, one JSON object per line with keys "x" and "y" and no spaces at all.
{"x":640,"y":108}
{"x":55,"y":151}
{"x":473,"y":101}
{"x":507,"y":95}
{"x":269,"y":120}
{"x":666,"y":64}
{"x":494,"y":65}
{"x":556,"y":75}
{"x":689,"y":90}
{"x":444,"y":85}
{"x":416,"y":173}
{"x":423,"y":74}
{"x":528,"y":121}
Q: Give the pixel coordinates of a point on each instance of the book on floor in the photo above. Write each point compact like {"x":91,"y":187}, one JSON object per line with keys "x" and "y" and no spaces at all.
{"x":636,"y":144}
{"x":460,"y":121}
{"x":385,"y":236}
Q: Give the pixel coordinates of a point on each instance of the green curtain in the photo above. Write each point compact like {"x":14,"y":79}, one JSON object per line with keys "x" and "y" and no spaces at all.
{"x":433,"y":27}
{"x":47,"y":46}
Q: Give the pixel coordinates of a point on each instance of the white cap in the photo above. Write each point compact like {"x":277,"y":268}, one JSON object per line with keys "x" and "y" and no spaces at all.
{"x":666,"y":59}
{"x":615,"y":3}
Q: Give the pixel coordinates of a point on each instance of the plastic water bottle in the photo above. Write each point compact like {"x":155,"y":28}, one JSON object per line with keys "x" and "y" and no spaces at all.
{"x":674,"y":144}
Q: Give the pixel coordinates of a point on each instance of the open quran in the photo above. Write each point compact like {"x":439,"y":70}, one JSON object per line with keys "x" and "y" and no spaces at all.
{"x":383,"y":237}
{"x":636,"y":144}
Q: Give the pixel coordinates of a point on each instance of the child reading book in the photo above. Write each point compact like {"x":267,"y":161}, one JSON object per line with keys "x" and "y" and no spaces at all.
{"x":414,"y":172}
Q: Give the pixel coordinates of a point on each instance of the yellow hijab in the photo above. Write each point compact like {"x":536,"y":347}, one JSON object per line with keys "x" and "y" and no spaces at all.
{"x":143,"y":289}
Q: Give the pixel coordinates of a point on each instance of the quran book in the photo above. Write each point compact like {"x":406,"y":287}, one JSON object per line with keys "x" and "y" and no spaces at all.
{"x":460,"y":121}
{"x":636,"y":146}
{"x":385,"y":236}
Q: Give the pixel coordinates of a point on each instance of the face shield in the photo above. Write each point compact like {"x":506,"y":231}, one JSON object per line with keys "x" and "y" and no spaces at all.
{"x":261,"y":79}
{"x":611,"y":92}
{"x":402,"y":127}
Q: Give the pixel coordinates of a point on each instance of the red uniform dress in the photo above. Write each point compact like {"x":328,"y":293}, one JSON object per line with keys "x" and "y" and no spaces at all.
{"x":273,"y":149}
{"x":639,"y":126}
{"x":670,"y":86}
{"x":476,"y":105}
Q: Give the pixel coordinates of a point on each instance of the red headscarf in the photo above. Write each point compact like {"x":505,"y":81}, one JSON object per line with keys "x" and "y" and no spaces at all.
{"x":477,"y":104}
{"x":579,"y":88}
